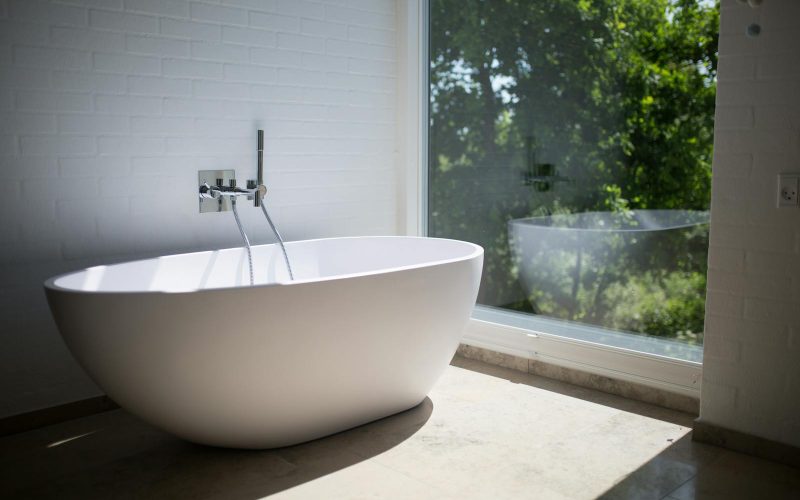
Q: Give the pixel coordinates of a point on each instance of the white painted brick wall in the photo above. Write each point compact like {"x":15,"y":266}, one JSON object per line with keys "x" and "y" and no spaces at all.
{"x":752,"y":357}
{"x":109,"y":107}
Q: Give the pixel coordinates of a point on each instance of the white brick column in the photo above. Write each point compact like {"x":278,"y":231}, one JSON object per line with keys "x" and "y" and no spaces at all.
{"x":751,"y":366}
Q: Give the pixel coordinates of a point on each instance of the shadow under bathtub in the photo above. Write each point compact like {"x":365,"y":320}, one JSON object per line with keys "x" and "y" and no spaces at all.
{"x":115,"y":455}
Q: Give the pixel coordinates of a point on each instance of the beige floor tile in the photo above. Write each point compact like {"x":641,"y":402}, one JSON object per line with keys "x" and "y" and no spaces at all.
{"x":654,"y":480}
{"x":483,"y":433}
{"x":733,"y":476}
{"x":362,"y":481}
{"x":537,"y":439}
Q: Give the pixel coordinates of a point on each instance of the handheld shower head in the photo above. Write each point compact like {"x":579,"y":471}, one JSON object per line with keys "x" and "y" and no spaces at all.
{"x":260,"y":172}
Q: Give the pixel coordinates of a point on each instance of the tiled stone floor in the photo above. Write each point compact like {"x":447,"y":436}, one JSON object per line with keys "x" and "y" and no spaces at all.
{"x":484,"y":432}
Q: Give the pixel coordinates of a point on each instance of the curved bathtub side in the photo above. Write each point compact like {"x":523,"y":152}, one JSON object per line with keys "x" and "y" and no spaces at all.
{"x":271,"y":366}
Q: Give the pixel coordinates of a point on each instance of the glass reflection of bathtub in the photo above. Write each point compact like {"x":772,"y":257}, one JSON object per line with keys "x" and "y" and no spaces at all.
{"x":597,"y":267}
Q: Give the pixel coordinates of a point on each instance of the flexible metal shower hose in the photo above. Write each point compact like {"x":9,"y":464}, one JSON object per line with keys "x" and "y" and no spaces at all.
{"x":244,"y":237}
{"x":280,"y":240}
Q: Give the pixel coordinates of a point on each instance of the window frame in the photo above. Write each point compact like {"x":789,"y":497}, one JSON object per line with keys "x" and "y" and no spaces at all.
{"x":490,"y":328}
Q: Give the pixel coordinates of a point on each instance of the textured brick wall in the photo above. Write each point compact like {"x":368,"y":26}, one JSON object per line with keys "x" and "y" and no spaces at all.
{"x":109,"y":107}
{"x":751,"y":373}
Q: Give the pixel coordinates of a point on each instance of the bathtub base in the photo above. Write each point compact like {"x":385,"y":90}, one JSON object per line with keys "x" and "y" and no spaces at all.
{"x":271,"y":440}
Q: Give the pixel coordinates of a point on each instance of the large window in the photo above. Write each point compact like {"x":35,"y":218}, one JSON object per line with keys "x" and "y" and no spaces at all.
{"x":572,"y":139}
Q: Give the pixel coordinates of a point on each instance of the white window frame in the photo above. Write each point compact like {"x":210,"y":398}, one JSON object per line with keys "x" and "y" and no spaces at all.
{"x":537,"y":343}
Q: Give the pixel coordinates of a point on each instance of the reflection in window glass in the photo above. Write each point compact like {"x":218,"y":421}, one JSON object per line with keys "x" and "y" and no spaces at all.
{"x":572,"y":139}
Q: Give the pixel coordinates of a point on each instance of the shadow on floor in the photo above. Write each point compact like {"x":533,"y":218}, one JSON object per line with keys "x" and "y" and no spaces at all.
{"x":115,"y":455}
{"x":574,"y":391}
{"x":688,"y":470}
{"x":666,"y":472}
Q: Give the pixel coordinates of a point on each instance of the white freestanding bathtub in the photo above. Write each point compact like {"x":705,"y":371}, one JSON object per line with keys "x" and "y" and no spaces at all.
{"x":186,"y":344}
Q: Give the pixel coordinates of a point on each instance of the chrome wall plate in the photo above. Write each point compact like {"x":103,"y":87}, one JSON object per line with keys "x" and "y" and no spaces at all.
{"x":212,"y":177}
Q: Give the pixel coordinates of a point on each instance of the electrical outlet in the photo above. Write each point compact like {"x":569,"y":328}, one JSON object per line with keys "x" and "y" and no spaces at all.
{"x":788,"y":188}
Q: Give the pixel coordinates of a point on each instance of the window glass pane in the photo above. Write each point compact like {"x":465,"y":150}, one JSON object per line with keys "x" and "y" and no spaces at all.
{"x":572,"y":139}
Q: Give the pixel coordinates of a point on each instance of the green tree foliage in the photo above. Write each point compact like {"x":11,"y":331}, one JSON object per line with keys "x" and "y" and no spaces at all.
{"x":611,"y":101}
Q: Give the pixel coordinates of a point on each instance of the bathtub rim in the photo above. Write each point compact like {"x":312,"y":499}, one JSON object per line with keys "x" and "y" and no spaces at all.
{"x":525,"y":222}
{"x":477,"y":251}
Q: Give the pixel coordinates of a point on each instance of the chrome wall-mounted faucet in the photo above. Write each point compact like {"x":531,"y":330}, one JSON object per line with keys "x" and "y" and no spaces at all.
{"x":218,"y":187}
{"x":218,"y":192}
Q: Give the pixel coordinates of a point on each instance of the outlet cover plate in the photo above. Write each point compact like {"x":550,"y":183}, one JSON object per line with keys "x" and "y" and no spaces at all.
{"x":788,"y":190}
